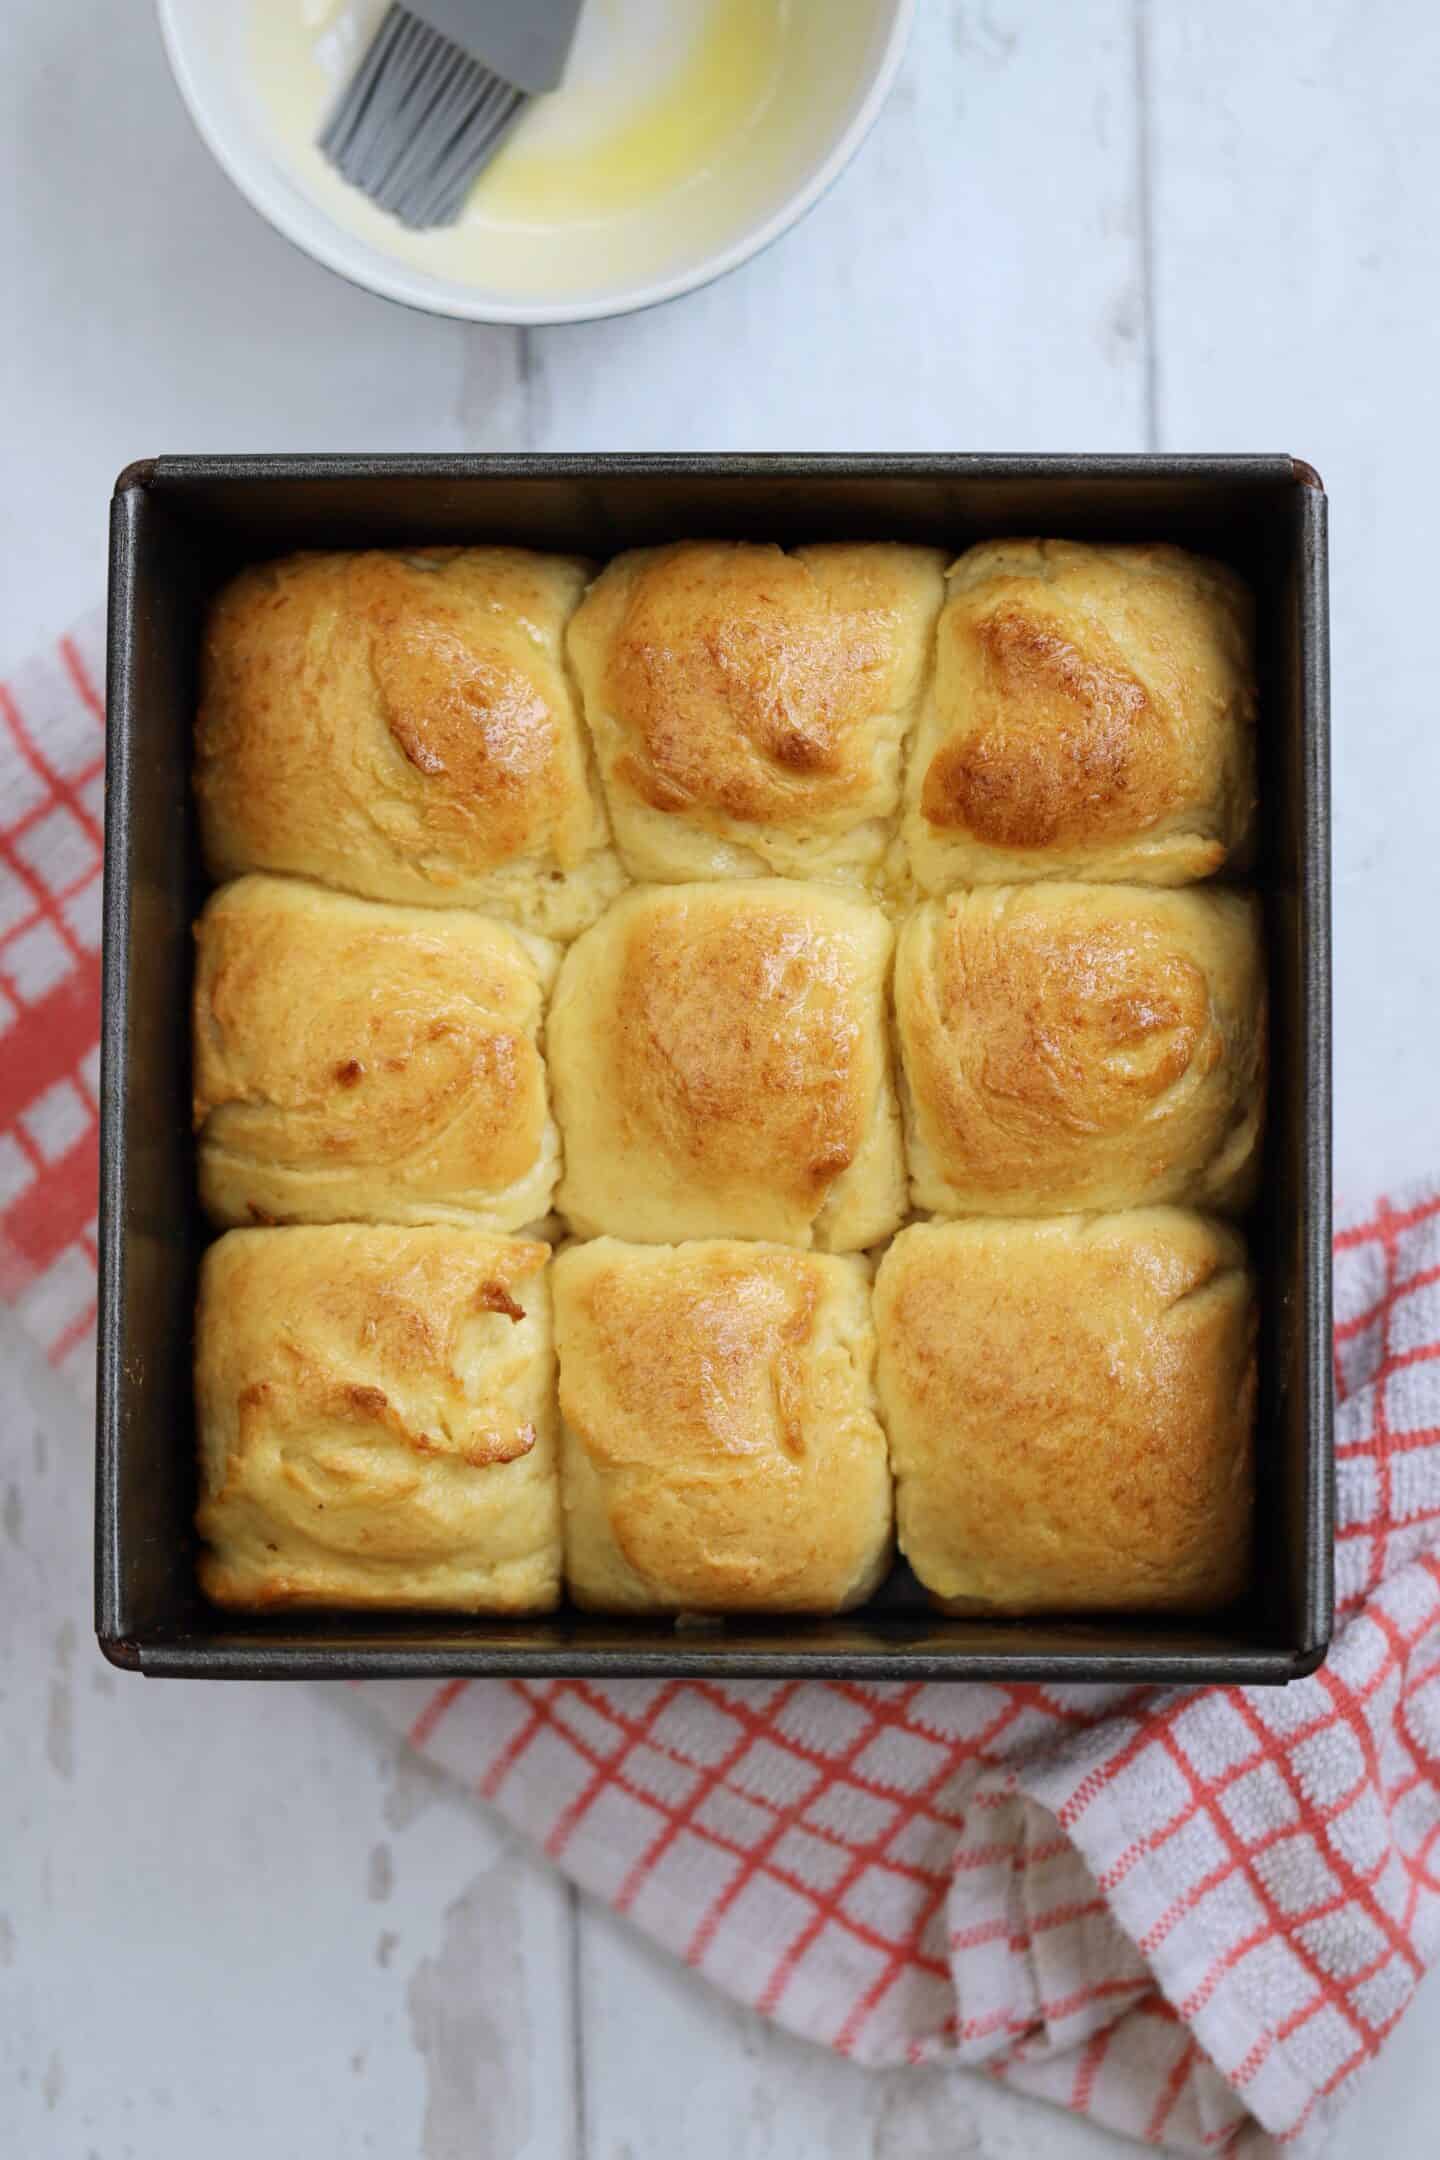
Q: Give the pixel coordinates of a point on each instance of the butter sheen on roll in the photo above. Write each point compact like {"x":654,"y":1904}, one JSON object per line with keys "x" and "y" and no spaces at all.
{"x":1081,"y":1046}
{"x":354,"y":1061}
{"x":750,"y":705}
{"x":1070,"y":1406}
{"x":402,"y":726}
{"x":376,"y":1416}
{"x":720,"y":1066}
{"x":1092,"y":715}
{"x":721,"y":1447}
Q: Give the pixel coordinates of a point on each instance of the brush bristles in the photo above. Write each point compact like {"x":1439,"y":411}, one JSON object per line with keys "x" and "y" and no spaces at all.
{"x":417,"y":121}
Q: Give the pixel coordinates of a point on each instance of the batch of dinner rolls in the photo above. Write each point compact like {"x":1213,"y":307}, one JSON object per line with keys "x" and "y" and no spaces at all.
{"x":712,"y":1067}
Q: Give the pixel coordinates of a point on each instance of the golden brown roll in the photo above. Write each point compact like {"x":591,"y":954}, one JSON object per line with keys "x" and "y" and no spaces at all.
{"x":721,"y":1448}
{"x":401,"y":725}
{"x":376,"y":1419}
{"x":1070,"y":1407}
{"x":360,"y":1062}
{"x":749,"y":706}
{"x":720,"y":1067}
{"x":1081,"y":1046}
{"x":1092,"y":715}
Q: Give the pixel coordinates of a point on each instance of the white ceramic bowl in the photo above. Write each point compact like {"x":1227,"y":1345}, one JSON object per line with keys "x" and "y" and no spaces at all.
{"x":836,"y":62}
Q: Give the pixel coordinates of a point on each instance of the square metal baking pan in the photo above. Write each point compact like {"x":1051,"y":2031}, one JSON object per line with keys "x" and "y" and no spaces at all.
{"x":182,"y":525}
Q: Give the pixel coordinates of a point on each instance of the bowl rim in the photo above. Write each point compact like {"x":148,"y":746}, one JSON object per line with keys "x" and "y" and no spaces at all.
{"x":363,"y":266}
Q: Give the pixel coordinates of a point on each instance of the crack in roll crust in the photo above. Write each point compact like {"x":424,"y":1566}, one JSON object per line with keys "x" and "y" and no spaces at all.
{"x":1081,"y":1046}
{"x":402,"y":726}
{"x":721,"y":1446}
{"x":356,"y":1061}
{"x":1070,"y":1406}
{"x":720,"y":1066}
{"x":376,"y":1420}
{"x":1092,"y":715}
{"x":749,"y":705}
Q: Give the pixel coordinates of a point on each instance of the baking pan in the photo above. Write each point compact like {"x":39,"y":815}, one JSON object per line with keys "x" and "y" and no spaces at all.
{"x":180,"y":526}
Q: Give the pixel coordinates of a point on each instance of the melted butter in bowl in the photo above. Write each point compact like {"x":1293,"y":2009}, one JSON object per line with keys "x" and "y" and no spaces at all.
{"x":683,"y":128}
{"x":642,"y":116}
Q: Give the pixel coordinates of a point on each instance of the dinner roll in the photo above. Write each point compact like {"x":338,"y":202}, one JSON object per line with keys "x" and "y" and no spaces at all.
{"x":371,"y":1063}
{"x":749,"y":706}
{"x":376,"y":1421}
{"x":1092,"y":715}
{"x":720,"y":1066}
{"x":1081,"y":1046}
{"x":721,"y":1448}
{"x":401,"y":725}
{"x":1070,"y":1405}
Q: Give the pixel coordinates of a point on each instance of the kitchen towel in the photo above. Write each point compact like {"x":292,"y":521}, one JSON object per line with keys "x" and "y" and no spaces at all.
{"x":1190,"y":1914}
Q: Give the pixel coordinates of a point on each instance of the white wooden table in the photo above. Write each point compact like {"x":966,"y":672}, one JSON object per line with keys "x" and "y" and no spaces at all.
{"x":232,"y":1920}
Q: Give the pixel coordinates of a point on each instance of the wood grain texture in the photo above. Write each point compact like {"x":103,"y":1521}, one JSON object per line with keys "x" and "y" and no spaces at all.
{"x":138,"y":272}
{"x":237,"y":1921}
{"x":972,"y":282}
{"x":1297,"y":262}
{"x":672,"y":2068}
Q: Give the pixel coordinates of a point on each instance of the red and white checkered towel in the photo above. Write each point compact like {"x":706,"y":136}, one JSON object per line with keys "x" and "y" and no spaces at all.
{"x":1193,"y":1915}
{"x":52,"y":769}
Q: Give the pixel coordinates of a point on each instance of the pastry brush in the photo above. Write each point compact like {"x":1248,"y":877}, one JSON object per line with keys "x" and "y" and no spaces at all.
{"x":438,"y":89}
